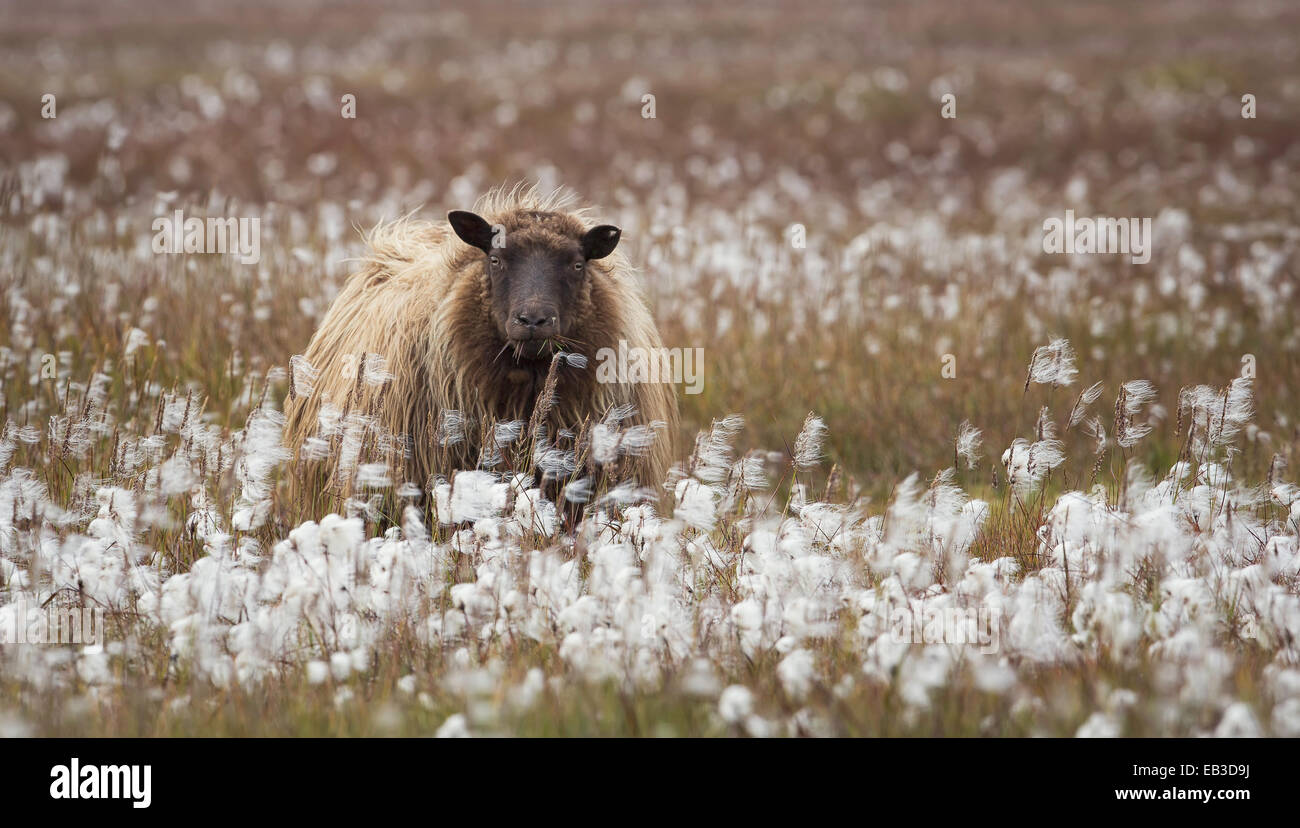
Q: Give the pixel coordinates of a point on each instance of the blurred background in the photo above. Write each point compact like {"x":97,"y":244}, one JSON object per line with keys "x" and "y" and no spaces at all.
{"x":923,"y":233}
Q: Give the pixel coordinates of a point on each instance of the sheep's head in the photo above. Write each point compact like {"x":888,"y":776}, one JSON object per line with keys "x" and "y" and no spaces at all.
{"x":535,"y":278}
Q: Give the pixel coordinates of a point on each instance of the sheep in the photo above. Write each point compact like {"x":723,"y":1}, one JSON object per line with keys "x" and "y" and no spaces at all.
{"x":469,"y":316}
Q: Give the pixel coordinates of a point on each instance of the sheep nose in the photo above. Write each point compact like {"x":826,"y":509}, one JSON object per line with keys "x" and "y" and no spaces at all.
{"x":533,"y":320}
{"x":535,"y":323}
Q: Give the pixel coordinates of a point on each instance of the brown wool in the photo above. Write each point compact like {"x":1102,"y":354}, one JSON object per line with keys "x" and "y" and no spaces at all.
{"x":421,"y":299}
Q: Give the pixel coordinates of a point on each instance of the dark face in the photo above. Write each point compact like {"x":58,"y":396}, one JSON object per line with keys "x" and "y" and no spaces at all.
{"x":534,"y":285}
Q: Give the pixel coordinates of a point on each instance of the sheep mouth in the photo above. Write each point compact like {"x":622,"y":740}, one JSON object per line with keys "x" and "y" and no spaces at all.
{"x":529,"y":349}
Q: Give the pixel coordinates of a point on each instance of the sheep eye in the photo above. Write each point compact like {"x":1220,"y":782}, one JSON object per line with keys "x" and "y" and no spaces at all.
{"x":495,"y":261}
{"x":579,"y":265}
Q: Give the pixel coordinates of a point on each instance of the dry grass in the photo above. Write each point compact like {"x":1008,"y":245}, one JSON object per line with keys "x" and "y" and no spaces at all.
{"x":922,"y":245}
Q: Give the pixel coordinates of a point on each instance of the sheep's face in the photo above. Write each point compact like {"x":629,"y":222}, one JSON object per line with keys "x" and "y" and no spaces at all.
{"x":535,"y":283}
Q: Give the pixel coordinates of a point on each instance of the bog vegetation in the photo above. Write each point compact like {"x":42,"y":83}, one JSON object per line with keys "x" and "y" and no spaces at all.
{"x":918,"y":413}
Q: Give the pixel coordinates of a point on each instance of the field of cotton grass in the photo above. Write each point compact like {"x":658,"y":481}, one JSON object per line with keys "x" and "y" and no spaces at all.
{"x":919,"y":414}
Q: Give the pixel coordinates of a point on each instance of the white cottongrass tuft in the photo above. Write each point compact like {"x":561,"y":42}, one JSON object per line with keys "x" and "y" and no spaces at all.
{"x":302,"y":376}
{"x":135,"y":340}
{"x":1133,"y":395}
{"x":735,"y":704}
{"x":711,"y":460}
{"x":1028,"y":464}
{"x":1087,"y":397}
{"x":575,"y":360}
{"x":1052,"y":364}
{"x":451,"y":428}
{"x":969,"y":443}
{"x":1215,"y":417}
{"x":375,"y":370}
{"x":808,"y":445}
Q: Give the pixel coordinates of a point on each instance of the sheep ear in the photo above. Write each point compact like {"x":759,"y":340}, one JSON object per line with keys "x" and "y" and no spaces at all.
{"x":472,"y":229}
{"x":599,"y":242}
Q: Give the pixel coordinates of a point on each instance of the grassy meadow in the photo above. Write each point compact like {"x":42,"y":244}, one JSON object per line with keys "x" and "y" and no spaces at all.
{"x":907,"y":405}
